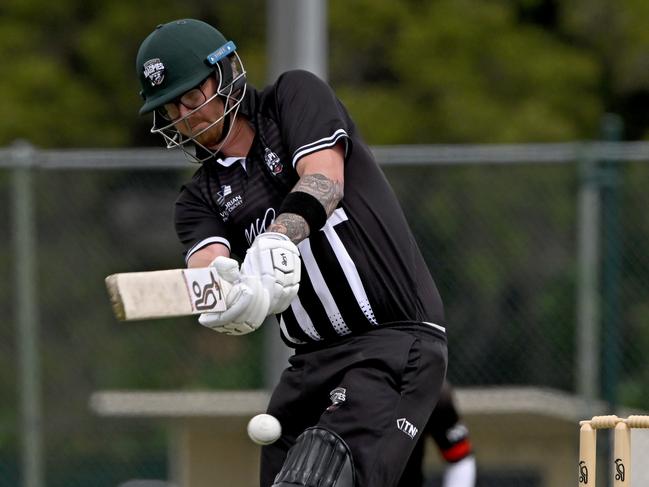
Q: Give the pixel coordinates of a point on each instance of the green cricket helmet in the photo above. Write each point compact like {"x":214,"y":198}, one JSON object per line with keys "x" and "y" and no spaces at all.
{"x":176,"y":57}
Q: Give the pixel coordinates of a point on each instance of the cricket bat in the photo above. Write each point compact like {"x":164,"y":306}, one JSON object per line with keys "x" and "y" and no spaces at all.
{"x":167,"y":293}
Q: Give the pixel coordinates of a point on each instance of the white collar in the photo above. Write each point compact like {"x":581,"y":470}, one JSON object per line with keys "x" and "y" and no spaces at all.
{"x":228,"y":161}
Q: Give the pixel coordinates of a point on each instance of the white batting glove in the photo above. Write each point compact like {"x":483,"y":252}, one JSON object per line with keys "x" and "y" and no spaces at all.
{"x":274,"y":258}
{"x":247,"y":302}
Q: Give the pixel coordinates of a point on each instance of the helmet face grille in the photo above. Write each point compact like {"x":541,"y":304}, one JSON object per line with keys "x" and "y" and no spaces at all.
{"x":231,"y":88}
{"x":173,"y":59}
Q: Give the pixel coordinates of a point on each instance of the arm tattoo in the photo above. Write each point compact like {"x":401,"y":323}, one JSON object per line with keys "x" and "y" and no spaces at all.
{"x":327,"y":191}
{"x":291,"y":225}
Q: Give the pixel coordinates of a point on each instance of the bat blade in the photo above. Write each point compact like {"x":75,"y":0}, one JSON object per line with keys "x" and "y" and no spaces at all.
{"x":166,"y":293}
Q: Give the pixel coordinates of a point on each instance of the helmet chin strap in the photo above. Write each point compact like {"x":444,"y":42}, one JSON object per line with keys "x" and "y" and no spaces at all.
{"x":228,"y":123}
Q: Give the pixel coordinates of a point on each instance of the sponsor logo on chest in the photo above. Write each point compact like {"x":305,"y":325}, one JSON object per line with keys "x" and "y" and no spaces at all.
{"x":259,"y":225}
{"x":227,"y":201}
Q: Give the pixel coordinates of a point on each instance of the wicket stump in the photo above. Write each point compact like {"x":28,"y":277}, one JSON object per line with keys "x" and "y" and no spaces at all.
{"x":621,"y":447}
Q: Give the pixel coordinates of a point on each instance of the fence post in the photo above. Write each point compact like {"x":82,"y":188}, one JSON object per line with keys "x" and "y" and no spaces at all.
{"x":27,"y":316}
{"x":587,"y":336}
{"x":296,"y":38}
{"x":612,"y":126}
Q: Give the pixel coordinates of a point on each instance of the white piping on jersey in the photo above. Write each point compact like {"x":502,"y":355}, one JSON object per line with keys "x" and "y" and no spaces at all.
{"x":282,"y":326}
{"x":440,"y":328}
{"x":319,"y":144}
{"x":321,"y":289}
{"x":304,"y":320}
{"x":228,"y":161}
{"x":347,"y":264}
{"x":204,"y":243}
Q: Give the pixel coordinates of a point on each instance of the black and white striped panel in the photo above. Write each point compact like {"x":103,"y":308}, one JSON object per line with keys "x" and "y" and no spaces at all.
{"x":332,"y":300}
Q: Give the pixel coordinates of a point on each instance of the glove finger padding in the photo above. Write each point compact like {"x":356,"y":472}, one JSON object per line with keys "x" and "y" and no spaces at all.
{"x":227,"y":269}
{"x":247,"y":302}
{"x":258,"y":308}
{"x":276,"y":260}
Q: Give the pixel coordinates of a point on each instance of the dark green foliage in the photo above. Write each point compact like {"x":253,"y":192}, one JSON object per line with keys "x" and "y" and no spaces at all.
{"x":69,"y":67}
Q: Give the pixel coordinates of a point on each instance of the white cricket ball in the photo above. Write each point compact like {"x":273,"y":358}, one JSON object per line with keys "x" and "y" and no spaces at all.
{"x":264,"y":429}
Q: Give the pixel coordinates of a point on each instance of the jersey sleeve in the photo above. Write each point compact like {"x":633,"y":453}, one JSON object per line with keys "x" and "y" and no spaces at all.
{"x":197,"y":224}
{"x":311,"y":117}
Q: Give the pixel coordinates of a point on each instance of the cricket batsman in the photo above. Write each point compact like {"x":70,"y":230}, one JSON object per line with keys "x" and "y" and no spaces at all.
{"x":289,"y":205}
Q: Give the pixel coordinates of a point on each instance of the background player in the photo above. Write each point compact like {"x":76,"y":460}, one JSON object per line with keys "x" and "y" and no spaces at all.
{"x":452,"y":439}
{"x":281,"y":168}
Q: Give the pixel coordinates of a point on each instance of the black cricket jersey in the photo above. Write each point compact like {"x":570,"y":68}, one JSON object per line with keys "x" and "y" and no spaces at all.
{"x":361,"y":270}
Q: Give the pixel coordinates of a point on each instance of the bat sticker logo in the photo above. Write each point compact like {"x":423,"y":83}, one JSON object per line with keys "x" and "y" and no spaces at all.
{"x":207,"y":295}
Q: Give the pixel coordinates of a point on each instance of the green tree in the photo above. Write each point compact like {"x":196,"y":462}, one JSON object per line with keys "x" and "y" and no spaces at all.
{"x":615,"y":31}
{"x":70,"y":78}
{"x":461,"y":71}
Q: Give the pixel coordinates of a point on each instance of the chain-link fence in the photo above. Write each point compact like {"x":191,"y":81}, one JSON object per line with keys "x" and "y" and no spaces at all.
{"x":506,"y":231}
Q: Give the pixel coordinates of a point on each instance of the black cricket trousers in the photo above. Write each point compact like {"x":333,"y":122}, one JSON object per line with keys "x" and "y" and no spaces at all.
{"x":376,"y":390}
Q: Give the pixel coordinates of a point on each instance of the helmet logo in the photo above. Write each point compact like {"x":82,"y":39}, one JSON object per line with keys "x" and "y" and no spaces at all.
{"x":154,"y":71}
